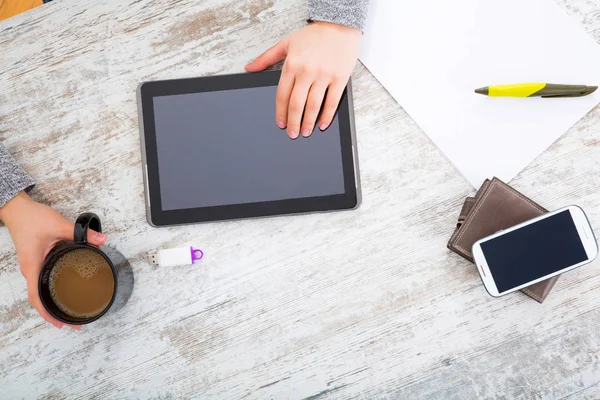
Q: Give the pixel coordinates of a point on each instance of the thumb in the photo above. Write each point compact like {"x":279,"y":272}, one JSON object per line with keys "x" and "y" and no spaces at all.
{"x":269,"y":57}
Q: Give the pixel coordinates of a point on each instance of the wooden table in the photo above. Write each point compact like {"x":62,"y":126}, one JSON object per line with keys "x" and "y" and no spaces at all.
{"x":367,"y":303}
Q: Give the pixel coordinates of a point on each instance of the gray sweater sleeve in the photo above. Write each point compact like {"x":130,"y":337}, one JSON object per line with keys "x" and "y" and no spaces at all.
{"x":351,"y":13}
{"x":12,"y":178}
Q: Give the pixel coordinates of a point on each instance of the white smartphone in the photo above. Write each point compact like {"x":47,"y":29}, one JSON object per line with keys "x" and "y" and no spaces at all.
{"x":535,"y":250}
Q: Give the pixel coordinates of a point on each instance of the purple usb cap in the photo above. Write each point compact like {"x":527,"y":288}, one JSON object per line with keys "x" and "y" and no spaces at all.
{"x":197,"y":254}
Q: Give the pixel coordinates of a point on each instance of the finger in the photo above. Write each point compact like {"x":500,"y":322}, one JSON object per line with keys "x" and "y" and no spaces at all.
{"x":282,"y":99}
{"x":95,"y":238}
{"x":76,"y":327}
{"x":334,"y":94}
{"x":313,"y":106}
{"x":65,"y":229}
{"x":36,"y":302}
{"x":296,"y":107}
{"x":269,"y":57}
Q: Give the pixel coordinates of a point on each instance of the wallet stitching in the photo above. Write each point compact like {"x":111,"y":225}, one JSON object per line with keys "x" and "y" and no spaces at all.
{"x":470,"y":200}
{"x":470,"y":217}
{"x":456,"y":247}
{"x":531,"y":294}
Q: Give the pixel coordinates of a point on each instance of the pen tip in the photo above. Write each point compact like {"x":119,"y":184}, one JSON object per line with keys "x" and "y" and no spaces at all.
{"x":484,"y":90}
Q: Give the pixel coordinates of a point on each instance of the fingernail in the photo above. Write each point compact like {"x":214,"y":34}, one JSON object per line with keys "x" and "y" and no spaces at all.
{"x":281,"y":124}
{"x":99,"y":237}
{"x":293,"y":134}
{"x":305,"y":132}
{"x":323,"y":126}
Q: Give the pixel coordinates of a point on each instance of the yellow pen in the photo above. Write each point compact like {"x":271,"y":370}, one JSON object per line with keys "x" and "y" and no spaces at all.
{"x":546,"y":90}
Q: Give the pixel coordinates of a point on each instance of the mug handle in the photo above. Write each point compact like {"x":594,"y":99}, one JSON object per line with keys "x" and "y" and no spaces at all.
{"x":84,"y":222}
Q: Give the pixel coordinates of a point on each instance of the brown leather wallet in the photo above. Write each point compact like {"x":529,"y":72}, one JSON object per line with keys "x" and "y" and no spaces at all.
{"x":496,"y":206}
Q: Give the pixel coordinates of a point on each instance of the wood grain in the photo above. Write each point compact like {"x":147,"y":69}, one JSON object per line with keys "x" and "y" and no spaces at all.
{"x":361,"y":304}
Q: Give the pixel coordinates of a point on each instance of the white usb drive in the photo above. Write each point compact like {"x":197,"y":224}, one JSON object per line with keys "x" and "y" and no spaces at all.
{"x":175,"y":257}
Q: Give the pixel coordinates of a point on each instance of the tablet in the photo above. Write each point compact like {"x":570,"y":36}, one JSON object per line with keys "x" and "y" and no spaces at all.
{"x":212,"y":151}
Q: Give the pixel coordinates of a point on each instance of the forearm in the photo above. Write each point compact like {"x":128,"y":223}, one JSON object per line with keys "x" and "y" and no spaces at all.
{"x":13,"y":211}
{"x":12,"y":178}
{"x":352,"y":13}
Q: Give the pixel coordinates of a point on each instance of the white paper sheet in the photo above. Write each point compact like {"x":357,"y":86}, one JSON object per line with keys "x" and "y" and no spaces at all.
{"x":431,"y":55}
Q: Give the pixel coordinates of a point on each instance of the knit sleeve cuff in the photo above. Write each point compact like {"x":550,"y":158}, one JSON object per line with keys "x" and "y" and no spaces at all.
{"x":12,"y":178}
{"x":352,"y":13}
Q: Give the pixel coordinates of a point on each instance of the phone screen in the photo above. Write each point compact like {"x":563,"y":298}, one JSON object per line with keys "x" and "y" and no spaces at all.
{"x":536,"y":250}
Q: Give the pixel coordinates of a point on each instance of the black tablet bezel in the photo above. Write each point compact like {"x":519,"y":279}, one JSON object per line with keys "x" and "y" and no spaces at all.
{"x":159,"y":217}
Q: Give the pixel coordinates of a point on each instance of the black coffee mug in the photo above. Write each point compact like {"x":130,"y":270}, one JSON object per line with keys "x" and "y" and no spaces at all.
{"x":82,"y":224}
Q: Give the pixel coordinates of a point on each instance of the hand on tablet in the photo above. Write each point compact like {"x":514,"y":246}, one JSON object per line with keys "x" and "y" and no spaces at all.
{"x":35,"y":229}
{"x":319,"y":60}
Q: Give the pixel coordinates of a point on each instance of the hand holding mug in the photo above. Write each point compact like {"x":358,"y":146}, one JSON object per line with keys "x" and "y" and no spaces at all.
{"x":35,"y":230}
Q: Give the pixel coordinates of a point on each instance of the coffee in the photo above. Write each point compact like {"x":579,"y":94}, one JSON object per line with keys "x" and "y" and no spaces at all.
{"x":82,"y":283}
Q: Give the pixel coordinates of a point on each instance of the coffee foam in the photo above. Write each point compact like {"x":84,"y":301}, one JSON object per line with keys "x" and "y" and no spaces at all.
{"x":86,"y":263}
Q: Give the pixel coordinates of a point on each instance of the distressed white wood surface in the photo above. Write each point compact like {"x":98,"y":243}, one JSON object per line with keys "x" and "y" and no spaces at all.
{"x":366,"y":304}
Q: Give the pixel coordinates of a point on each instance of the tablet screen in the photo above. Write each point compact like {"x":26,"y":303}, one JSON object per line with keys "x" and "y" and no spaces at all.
{"x":224,"y":148}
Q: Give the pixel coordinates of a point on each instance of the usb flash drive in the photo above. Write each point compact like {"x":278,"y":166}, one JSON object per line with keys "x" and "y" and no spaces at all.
{"x":177,"y":256}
